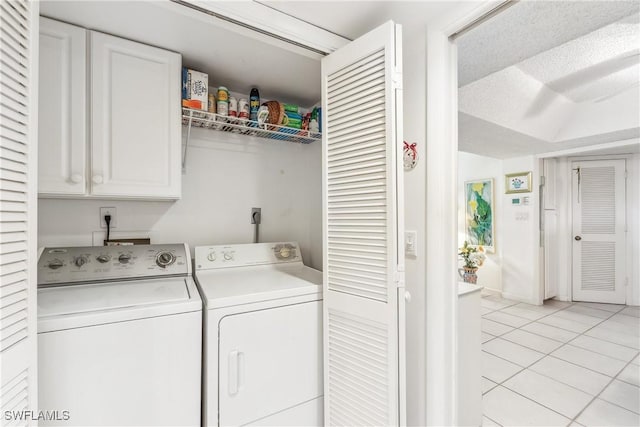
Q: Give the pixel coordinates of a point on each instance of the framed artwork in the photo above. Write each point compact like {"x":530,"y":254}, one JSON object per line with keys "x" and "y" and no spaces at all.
{"x":517,"y":182}
{"x":479,"y":209}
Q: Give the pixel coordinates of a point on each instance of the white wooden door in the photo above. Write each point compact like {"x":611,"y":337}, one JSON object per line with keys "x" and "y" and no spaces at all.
{"x":62,"y":106}
{"x":362,"y":215}
{"x":18,"y":204}
{"x":135,"y":118}
{"x":598,"y":199}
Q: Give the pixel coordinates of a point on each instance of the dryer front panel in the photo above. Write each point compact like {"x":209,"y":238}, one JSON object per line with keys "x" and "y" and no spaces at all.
{"x":269,"y":361}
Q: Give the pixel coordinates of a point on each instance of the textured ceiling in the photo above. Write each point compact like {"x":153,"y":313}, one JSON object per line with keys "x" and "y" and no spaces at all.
{"x":529,"y":28}
{"x":486,"y":138}
{"x":578,"y":92}
{"x":601,"y":63}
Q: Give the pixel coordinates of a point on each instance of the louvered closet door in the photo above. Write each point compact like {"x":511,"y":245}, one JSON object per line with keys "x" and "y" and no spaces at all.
{"x":598,"y":200}
{"x":18,"y":179}
{"x":363,"y":263}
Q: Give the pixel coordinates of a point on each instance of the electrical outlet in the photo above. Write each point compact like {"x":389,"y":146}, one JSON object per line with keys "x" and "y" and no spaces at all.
{"x":114,"y":217}
{"x":411,"y":243}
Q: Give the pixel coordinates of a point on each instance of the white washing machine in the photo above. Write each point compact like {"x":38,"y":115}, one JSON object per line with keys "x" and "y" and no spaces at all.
{"x":263,"y":335}
{"x":119,"y":336}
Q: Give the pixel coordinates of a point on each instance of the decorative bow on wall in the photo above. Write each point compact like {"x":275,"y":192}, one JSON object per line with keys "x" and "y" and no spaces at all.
{"x":410,"y":155}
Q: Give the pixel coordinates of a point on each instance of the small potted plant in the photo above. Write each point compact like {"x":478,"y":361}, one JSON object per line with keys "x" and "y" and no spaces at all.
{"x":473,"y":257}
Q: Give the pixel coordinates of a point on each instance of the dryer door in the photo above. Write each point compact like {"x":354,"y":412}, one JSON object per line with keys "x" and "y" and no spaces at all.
{"x":269,"y":361}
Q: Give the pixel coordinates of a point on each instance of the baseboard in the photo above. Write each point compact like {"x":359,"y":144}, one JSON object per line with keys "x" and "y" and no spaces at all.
{"x":519,"y":298}
{"x":490,"y":291}
{"x":564,"y":298}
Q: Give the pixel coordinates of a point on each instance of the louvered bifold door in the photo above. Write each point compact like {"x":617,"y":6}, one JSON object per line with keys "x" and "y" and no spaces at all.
{"x":598,"y":201}
{"x":18,"y":179}
{"x":362,"y":211}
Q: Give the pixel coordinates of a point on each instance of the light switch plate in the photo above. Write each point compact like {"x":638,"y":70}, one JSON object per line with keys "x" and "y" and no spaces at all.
{"x":411,"y":243}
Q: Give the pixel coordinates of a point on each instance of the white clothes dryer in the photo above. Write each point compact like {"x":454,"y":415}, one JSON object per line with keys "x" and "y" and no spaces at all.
{"x":262,"y":335}
{"x":119,"y":336}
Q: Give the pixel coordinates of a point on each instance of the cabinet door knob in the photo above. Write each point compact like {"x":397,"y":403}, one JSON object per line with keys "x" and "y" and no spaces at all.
{"x":97,"y":179}
{"x":578,"y":238}
{"x":76,"y":178}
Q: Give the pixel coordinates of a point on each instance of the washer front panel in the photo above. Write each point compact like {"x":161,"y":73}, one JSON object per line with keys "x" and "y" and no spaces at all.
{"x":104,"y":263}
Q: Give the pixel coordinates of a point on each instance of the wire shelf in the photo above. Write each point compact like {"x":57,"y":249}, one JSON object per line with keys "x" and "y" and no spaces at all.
{"x":202,"y":119}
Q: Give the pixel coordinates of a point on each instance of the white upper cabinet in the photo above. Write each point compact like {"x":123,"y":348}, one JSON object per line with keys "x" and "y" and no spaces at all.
{"x":121,"y":139}
{"x":136,"y":127}
{"x":62,"y":124}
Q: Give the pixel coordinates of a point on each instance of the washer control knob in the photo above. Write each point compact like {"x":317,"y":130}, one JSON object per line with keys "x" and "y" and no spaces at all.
{"x":228,"y":256}
{"x":124,"y":258}
{"x":165,"y":259}
{"x":80,"y":261}
{"x":55,"y":264}
{"x":211,"y":256}
{"x":103,"y":258}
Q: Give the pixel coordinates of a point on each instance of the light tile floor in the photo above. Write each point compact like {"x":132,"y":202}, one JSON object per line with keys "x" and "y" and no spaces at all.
{"x":560,"y":364}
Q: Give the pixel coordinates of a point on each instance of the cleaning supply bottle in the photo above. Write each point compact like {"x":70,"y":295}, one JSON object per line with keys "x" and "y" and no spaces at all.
{"x":254,"y":104}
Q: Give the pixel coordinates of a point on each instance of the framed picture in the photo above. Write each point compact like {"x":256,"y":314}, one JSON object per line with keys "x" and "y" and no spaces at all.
{"x":479,"y":209}
{"x":517,"y":182}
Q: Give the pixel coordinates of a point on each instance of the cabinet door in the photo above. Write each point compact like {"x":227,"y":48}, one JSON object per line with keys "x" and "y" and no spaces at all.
{"x":135,"y":135}
{"x":62,"y":109}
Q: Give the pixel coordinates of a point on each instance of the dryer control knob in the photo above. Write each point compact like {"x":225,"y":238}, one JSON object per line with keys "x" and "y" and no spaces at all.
{"x":211,"y":256}
{"x":80,"y":261}
{"x":285,"y":252}
{"x":165,"y":259}
{"x":228,"y":256}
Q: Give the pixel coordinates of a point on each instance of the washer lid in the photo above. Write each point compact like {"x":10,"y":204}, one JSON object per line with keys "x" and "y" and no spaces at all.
{"x":75,"y":299}
{"x":244,"y":285}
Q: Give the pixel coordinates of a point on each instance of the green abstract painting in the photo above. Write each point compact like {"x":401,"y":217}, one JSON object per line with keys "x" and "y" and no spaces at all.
{"x":480,"y":228}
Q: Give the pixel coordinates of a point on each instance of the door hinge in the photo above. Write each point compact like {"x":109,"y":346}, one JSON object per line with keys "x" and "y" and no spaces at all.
{"x":399,"y":279}
{"x":396,"y":80}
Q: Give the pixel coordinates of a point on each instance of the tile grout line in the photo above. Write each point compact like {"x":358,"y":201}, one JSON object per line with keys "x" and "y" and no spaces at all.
{"x":601,"y":391}
{"x":557,"y":327}
{"x":562,"y":344}
{"x":549,"y":355}
{"x":492,"y":420}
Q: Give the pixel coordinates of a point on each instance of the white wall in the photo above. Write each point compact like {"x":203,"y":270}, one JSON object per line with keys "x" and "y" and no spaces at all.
{"x":225,"y":177}
{"x":414,"y":69}
{"x":475,"y":167}
{"x":520,"y":237}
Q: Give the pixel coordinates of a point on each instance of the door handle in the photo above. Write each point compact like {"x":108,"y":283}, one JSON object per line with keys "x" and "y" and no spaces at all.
{"x":578,"y":238}
{"x":236,"y":371}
